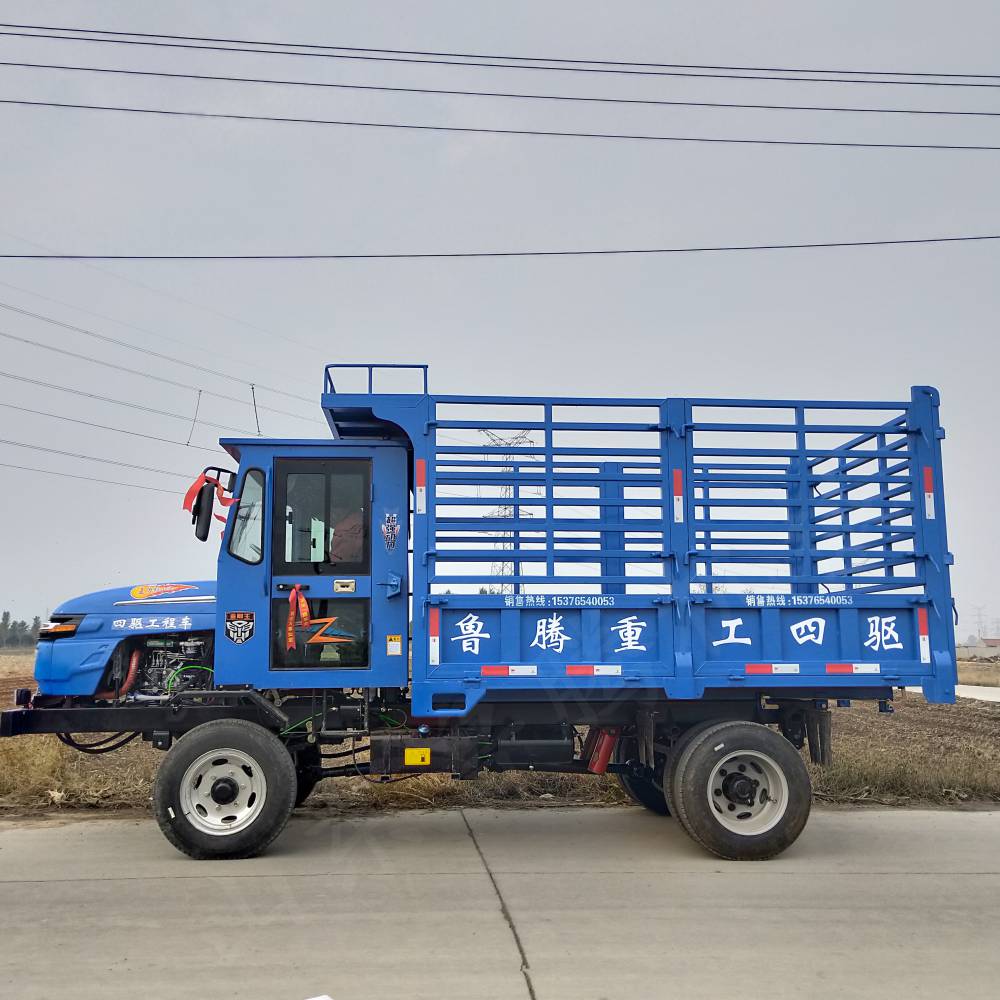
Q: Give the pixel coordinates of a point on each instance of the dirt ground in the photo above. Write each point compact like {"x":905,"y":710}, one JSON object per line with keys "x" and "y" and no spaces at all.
{"x":942,"y":754}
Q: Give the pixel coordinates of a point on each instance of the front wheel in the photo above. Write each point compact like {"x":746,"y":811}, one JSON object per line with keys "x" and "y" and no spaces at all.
{"x":742,"y":791}
{"x":225,"y":790}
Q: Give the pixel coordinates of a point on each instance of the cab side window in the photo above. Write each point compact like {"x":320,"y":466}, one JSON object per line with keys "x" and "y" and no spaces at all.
{"x":247,"y":540}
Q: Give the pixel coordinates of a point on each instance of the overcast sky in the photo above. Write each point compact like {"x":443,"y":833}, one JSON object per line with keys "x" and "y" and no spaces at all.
{"x":853,"y":323}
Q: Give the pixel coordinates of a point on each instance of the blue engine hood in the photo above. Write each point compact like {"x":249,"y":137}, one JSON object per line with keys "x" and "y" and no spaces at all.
{"x":75,"y":664}
{"x":187,"y":597}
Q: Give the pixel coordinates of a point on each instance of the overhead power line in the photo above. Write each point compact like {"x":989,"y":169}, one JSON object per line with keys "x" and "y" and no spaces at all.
{"x":121,"y":402}
{"x":163,"y":293}
{"x":142,"y":374}
{"x":228,"y":358}
{"x":87,"y":479}
{"x":145,"y":350}
{"x":496,"y":93}
{"x":481,"y":55}
{"x":712,"y":140}
{"x":105,"y":427}
{"x":94,"y":458}
{"x":513,"y":62}
{"x":733,"y":248}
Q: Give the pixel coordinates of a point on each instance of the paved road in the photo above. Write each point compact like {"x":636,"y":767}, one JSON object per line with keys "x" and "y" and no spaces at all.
{"x":976,"y":691}
{"x":558,"y":904}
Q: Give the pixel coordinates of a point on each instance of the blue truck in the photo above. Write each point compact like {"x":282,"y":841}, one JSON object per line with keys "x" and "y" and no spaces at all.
{"x":673,"y":591}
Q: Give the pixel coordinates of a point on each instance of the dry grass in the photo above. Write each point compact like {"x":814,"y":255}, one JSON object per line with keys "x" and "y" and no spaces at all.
{"x":979,"y":673}
{"x":944,"y":754}
{"x":922,"y":753}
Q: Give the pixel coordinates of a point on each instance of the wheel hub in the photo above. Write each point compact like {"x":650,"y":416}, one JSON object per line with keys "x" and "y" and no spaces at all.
{"x":224,"y":791}
{"x":748,"y":792}
{"x":739,"y":788}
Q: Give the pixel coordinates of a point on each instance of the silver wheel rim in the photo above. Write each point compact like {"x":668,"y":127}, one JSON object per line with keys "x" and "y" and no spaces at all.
{"x":747,"y":793}
{"x":223,"y":792}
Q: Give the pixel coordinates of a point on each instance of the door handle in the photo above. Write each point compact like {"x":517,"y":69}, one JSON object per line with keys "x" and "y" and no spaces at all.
{"x":394,"y":585}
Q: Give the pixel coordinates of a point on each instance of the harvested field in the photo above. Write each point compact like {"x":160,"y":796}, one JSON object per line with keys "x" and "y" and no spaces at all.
{"x":15,"y":671}
{"x":938,"y":754}
{"x":979,"y":673}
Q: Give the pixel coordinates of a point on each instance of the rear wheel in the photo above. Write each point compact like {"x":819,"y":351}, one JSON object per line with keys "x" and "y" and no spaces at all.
{"x":638,"y":785}
{"x":225,"y":790}
{"x":741,"y":790}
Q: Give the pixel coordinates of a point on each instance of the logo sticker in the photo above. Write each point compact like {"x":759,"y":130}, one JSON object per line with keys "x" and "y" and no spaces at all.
{"x":146,"y":591}
{"x":390,"y":531}
{"x":239,"y":626}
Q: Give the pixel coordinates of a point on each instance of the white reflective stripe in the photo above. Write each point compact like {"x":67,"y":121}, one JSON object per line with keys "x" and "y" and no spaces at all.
{"x":421,"y":499}
{"x":435,"y":650}
{"x":925,"y":649}
{"x":200,"y":599}
{"x":678,"y":509}
{"x":866,"y":668}
{"x":607,"y":669}
{"x":522,"y":670}
{"x":929,"y":506}
{"x":784,"y":668}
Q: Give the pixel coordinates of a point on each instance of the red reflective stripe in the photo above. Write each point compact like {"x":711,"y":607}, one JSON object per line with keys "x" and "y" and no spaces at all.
{"x":840,"y":668}
{"x":495,"y":671}
{"x":922,"y":624}
{"x":434,"y":623}
{"x":579,"y":670}
{"x":678,"y":482}
{"x":928,"y":479}
{"x":759,"y":668}
{"x":421,"y":472}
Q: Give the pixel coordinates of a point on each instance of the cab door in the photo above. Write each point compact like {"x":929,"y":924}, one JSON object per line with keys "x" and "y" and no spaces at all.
{"x":338,"y":608}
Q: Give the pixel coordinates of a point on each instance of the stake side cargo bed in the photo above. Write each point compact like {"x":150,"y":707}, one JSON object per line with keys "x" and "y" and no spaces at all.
{"x":683,"y":545}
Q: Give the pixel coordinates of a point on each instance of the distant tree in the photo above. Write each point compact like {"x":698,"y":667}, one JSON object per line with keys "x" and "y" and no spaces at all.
{"x":36,"y":627}
{"x":5,"y":628}
{"x":13,"y":635}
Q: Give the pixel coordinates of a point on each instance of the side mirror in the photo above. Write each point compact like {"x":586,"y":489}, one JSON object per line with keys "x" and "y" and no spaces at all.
{"x":201,"y":513}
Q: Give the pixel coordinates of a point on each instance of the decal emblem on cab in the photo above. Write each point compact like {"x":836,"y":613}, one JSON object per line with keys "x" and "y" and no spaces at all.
{"x":145,"y":591}
{"x":239,"y":626}
{"x":390,"y":531}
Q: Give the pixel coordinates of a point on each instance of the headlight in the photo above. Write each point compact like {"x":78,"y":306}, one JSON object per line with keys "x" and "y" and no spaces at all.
{"x":59,"y":626}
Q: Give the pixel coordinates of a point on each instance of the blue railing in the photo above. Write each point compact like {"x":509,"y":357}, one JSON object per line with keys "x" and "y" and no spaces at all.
{"x":330,"y":387}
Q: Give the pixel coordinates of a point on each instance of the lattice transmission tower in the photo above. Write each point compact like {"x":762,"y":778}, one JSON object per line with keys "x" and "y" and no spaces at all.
{"x":505,"y":539}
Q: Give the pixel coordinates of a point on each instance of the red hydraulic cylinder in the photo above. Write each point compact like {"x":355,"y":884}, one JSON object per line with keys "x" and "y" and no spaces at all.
{"x":605,"y":747}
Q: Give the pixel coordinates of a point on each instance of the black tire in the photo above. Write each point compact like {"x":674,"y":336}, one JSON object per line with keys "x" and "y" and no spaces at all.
{"x":670,"y":768}
{"x":305,"y":760}
{"x":262,"y":816}
{"x":773,"y":820}
{"x":641,"y":790}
